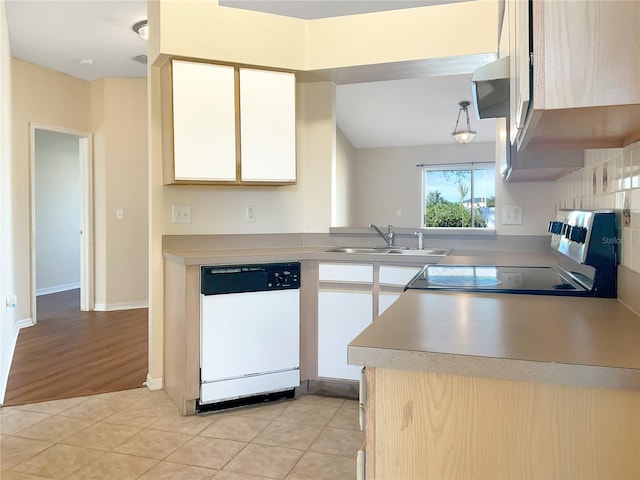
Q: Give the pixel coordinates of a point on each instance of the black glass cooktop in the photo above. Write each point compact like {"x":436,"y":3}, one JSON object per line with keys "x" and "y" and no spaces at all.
{"x":530,"y":280}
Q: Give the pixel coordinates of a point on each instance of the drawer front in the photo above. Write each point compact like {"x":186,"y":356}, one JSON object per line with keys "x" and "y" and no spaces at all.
{"x":396,"y":275}
{"x":346,"y":272}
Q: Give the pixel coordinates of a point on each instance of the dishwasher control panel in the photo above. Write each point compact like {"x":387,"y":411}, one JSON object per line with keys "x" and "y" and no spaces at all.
{"x":220,"y":279}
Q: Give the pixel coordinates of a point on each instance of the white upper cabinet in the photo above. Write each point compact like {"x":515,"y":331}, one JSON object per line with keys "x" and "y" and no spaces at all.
{"x":204,"y":132}
{"x":267,"y":126}
{"x":227,"y":125}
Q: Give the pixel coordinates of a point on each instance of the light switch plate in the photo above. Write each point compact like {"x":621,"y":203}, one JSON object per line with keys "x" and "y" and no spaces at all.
{"x":511,"y":215}
{"x":181,"y":213}
{"x":250,"y":214}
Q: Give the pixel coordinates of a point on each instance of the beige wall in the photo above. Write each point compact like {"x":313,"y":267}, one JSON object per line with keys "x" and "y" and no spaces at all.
{"x":206,"y":30}
{"x":49,"y":98}
{"x":449,"y":30}
{"x":115,"y":109}
{"x":8,"y":330}
{"x":120,"y":132}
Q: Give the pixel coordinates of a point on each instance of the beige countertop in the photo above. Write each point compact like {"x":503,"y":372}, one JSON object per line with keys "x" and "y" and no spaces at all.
{"x":289,"y":254}
{"x":538,"y":338}
{"x":297,"y":253}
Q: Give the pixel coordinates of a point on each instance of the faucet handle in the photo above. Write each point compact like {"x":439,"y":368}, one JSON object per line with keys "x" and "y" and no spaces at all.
{"x":420,"y":236}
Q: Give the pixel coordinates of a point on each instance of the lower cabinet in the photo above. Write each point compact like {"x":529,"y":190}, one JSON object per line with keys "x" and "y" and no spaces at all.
{"x":385,"y":300}
{"x":391,"y":281}
{"x":342,"y":315}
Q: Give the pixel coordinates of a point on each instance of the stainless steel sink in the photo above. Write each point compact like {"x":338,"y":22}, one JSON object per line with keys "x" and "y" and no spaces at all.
{"x":393,"y":250}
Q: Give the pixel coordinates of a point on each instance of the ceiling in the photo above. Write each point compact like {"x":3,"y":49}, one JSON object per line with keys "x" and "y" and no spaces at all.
{"x":413,"y":111}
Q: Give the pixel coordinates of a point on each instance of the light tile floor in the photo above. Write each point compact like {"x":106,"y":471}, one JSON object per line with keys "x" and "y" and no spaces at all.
{"x":138,"y":434}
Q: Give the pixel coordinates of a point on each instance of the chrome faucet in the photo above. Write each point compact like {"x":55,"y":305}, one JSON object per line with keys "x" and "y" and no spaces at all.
{"x":388,"y":237}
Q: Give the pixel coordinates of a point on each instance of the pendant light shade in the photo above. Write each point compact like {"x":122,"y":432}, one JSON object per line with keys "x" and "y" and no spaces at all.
{"x":463,"y":135}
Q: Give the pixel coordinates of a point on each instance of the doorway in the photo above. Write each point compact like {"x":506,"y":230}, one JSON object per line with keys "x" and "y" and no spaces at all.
{"x":61,"y":213}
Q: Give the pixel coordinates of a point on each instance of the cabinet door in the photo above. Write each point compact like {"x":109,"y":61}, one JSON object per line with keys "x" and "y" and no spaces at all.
{"x":385,"y":300}
{"x":342,"y":315}
{"x":267,"y":126}
{"x":397,"y":275}
{"x":204,"y":126}
{"x":520,"y":80}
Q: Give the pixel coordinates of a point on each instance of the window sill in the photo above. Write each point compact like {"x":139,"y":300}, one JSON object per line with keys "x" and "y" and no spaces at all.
{"x":481,"y":232}
{"x":452,"y":232}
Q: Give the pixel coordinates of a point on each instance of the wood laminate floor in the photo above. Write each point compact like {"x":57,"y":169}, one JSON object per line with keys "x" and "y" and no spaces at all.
{"x":70,"y":353}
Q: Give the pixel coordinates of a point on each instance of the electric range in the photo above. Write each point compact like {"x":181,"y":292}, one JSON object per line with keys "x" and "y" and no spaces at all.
{"x":585,"y":244}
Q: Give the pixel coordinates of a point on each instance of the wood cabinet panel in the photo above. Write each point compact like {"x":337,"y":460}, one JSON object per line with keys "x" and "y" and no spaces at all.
{"x":431,"y":426}
{"x":590,"y":53}
{"x":584,"y":84}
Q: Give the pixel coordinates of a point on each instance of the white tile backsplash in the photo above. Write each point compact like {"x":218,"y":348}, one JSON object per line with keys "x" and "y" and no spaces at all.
{"x":610,"y":179}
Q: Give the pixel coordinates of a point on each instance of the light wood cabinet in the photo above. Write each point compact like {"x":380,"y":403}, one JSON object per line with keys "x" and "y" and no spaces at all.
{"x":583,"y":89}
{"x":227,"y":125}
{"x":423,"y":425}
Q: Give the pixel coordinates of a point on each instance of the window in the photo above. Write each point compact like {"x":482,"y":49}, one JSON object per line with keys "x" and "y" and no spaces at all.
{"x":460,"y":196}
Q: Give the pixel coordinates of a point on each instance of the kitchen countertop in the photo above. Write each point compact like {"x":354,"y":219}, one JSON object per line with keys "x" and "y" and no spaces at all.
{"x":296,"y":253}
{"x":563,"y":340}
{"x":566,"y":340}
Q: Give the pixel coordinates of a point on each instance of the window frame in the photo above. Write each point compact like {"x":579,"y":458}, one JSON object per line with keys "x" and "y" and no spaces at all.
{"x":472,"y":166}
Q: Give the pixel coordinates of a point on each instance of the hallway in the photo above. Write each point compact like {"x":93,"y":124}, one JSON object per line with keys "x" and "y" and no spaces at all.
{"x":70,"y":353}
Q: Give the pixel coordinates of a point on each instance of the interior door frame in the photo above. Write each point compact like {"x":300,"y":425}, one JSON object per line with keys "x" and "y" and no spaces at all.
{"x":85,"y":142}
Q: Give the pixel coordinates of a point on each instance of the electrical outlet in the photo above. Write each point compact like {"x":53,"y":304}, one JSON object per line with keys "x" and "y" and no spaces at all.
{"x":11,"y":301}
{"x":250,"y":214}
{"x":511,"y":215}
{"x":181,"y":213}
{"x":398,"y":213}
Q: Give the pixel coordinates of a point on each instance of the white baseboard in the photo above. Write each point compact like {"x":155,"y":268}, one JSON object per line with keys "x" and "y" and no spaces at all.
{"x":57,"y":288}
{"x":25,"y":322}
{"x":103,"y":307}
{"x":4,"y":378}
{"x":153,"y":383}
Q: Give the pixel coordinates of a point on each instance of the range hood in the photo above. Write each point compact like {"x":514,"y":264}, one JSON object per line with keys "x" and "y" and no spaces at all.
{"x":490,"y":89}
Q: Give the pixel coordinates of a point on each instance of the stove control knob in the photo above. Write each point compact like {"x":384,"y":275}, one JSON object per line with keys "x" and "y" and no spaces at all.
{"x":555,"y":227}
{"x":578,"y":234}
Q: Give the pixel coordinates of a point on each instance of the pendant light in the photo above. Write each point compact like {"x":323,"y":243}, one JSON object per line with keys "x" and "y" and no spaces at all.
{"x":463,"y":136}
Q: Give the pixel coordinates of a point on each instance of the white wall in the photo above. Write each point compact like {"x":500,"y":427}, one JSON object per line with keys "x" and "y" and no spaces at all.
{"x":57,"y":206}
{"x":386,"y":180}
{"x":343,"y":200}
{"x":8,"y":329}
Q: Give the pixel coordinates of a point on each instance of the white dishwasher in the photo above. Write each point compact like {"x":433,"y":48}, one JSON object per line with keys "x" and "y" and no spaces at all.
{"x":250,"y":333}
